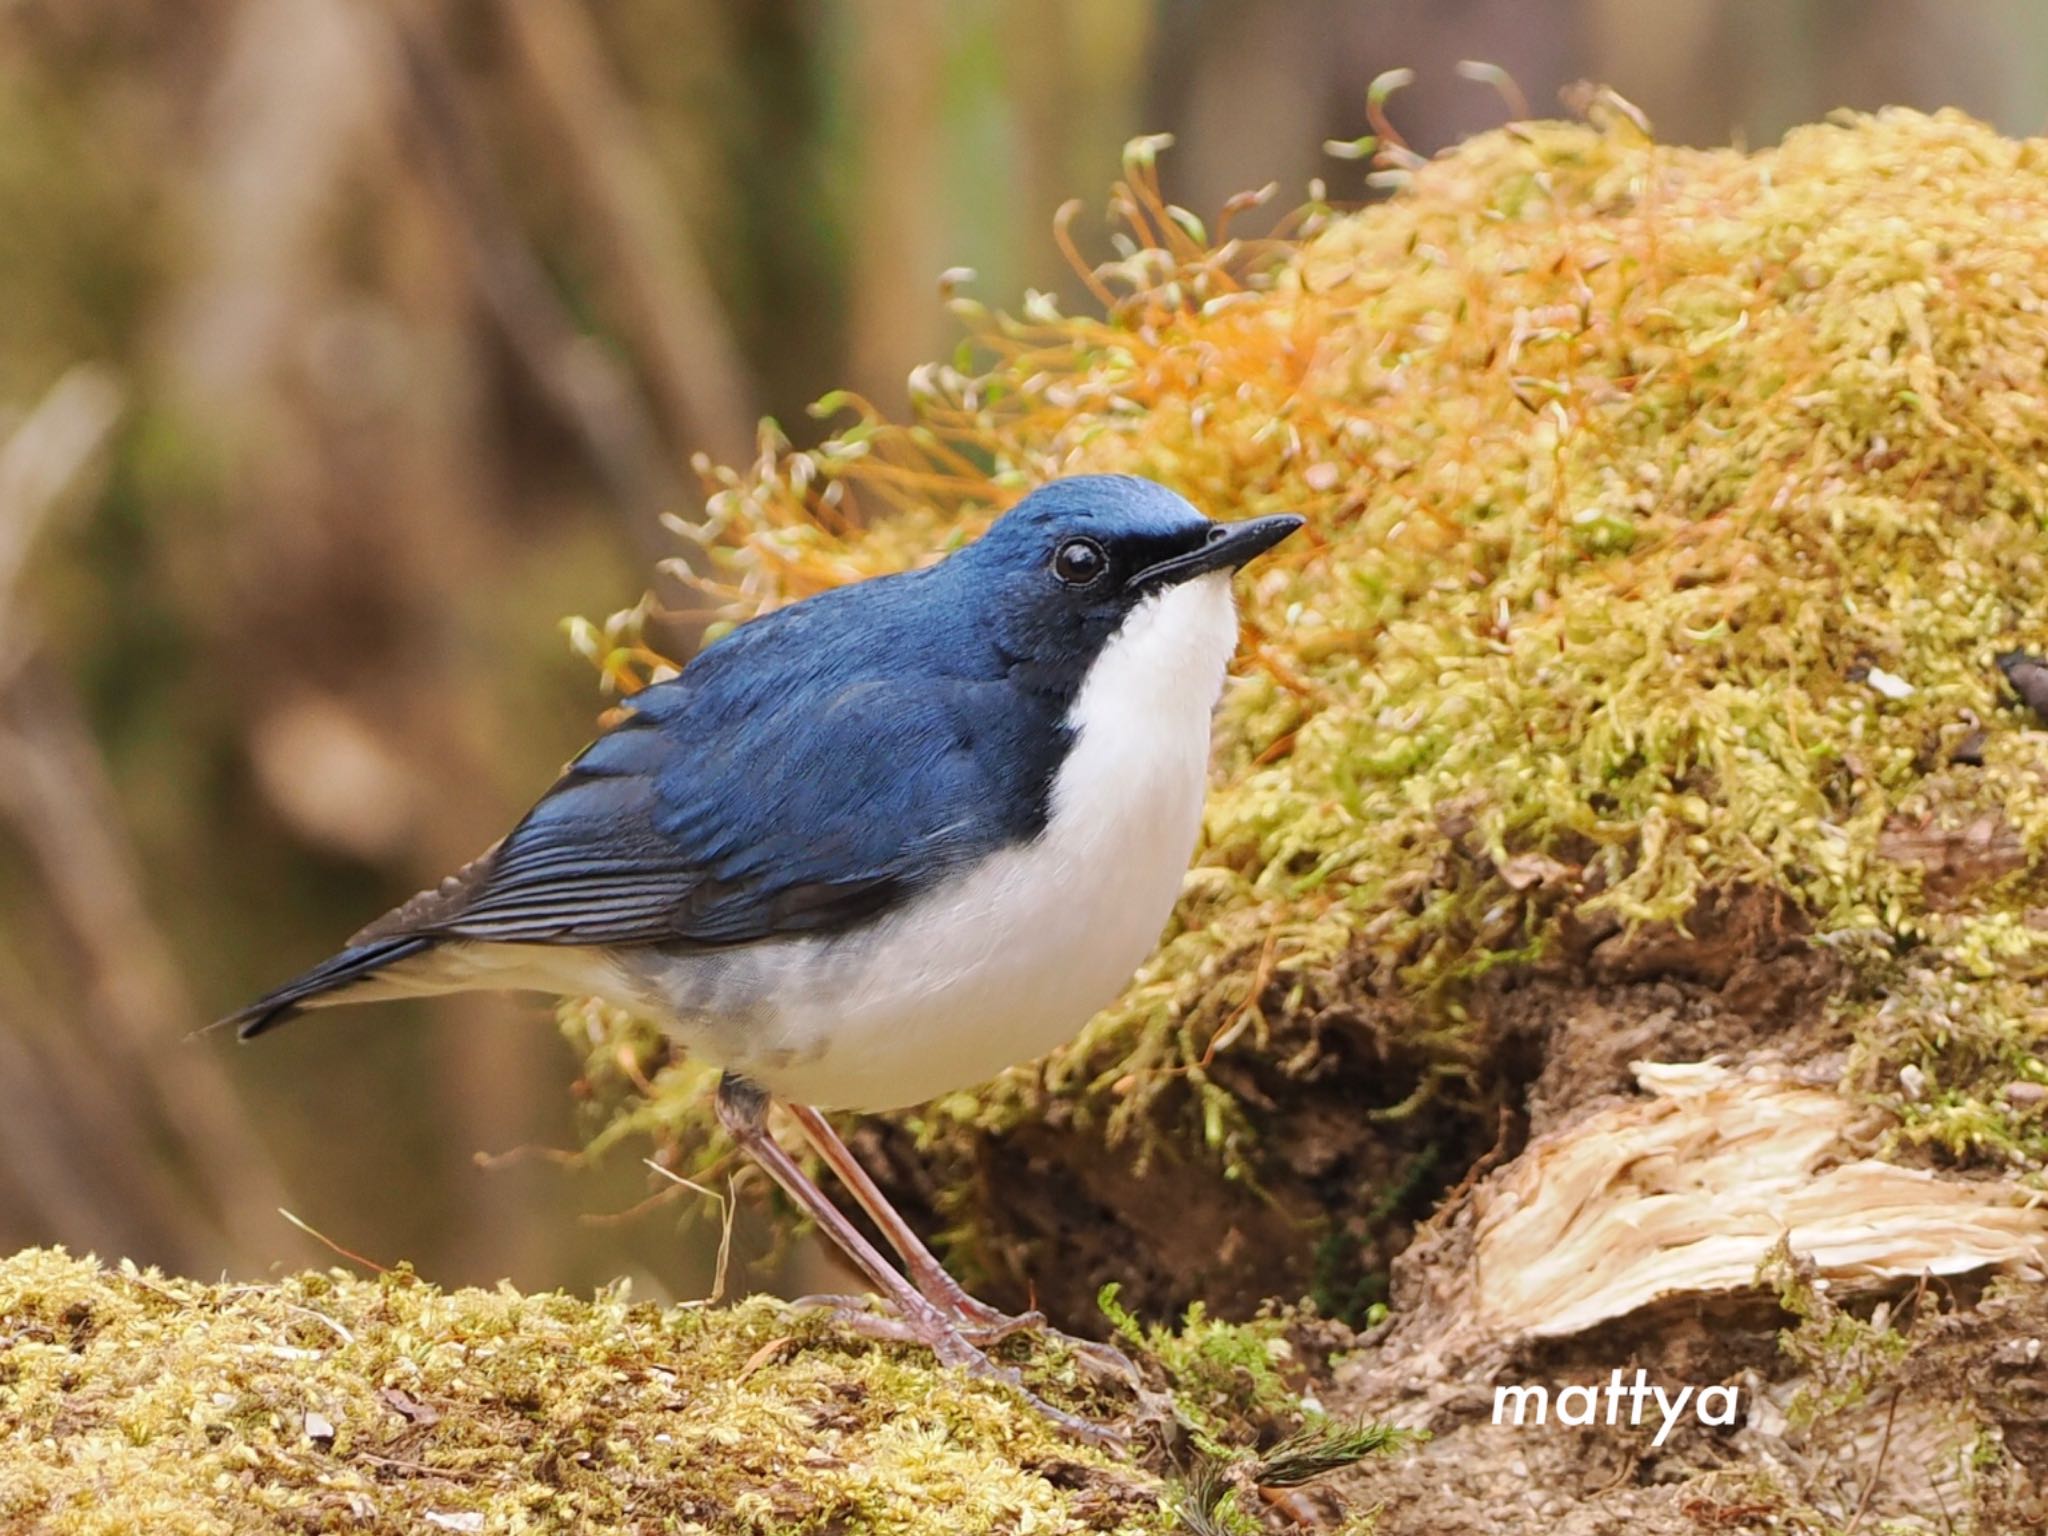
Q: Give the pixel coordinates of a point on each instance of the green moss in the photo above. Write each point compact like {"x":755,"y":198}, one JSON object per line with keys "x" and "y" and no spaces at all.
{"x":129,"y":1402}
{"x":1667,"y":508}
{"x":1225,"y":1375}
{"x":132,"y":1402}
{"x":1953,"y":1039}
{"x":1843,"y":1358}
{"x":1868,"y":1367}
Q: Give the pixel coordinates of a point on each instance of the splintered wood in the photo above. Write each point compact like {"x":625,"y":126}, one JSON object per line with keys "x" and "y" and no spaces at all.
{"x":1687,"y":1193}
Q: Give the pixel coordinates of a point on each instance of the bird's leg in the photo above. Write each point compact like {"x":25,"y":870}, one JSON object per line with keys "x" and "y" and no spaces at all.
{"x":986,"y":1324}
{"x":926,"y":1272}
{"x":743,"y":1111}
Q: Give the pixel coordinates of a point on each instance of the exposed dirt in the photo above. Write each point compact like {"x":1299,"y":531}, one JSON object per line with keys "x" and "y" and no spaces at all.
{"x":1065,"y":1214}
{"x":1735,"y":978}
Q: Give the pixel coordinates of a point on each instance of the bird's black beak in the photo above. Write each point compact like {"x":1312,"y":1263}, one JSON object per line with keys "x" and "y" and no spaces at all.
{"x":1229,"y":546}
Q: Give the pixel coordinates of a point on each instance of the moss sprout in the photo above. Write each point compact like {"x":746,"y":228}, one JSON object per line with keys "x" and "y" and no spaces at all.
{"x":1225,"y":1375}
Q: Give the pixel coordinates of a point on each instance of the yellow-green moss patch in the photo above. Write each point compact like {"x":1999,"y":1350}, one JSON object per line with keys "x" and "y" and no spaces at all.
{"x":130,"y":1402}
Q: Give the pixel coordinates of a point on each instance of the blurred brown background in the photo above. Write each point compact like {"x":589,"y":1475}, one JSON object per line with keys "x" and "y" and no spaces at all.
{"x":347,"y":345}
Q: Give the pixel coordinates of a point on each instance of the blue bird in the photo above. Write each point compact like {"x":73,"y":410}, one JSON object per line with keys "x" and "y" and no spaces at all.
{"x":874,"y":846}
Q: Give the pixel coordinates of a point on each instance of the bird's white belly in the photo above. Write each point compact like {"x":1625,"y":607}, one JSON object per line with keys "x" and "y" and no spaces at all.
{"x":999,"y":965}
{"x":990,"y":970}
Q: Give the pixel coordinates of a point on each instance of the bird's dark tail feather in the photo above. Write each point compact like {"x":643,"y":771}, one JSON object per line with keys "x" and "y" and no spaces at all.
{"x":356,"y":963}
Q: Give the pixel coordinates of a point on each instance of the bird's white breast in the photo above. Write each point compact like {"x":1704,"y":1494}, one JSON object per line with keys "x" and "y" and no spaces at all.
{"x":999,"y":965}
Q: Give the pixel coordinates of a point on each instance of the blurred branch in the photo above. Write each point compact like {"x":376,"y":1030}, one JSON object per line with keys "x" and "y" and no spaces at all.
{"x":55,"y":793}
{"x":678,"y":322}
{"x":899,"y":245}
{"x":43,"y":1158}
{"x":42,"y":459}
{"x":75,"y":1157}
{"x":593,"y":397}
{"x":284,"y":118}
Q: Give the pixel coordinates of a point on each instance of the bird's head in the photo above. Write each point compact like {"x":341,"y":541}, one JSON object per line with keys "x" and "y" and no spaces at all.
{"x":1069,"y":569}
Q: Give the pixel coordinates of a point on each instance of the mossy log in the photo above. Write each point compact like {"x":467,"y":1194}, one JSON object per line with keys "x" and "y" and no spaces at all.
{"x":1636,"y":697}
{"x":1632,"y":695}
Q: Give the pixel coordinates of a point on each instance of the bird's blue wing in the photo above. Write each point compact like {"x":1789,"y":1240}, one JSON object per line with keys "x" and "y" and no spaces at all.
{"x":725,"y":809}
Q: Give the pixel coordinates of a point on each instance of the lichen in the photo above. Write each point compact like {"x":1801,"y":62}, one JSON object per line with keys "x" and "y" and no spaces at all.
{"x":1667,"y":509}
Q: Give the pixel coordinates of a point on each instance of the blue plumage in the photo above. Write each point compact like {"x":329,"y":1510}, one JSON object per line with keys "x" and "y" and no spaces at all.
{"x":820,"y":765}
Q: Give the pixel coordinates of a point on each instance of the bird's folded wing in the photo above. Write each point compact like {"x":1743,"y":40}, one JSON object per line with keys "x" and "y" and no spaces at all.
{"x":696,"y":822}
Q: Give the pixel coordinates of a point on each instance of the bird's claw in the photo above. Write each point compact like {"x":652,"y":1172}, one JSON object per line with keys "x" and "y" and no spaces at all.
{"x":960,"y":1338}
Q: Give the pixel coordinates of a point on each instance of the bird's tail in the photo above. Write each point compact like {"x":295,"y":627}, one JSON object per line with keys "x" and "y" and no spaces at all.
{"x":328,"y":982}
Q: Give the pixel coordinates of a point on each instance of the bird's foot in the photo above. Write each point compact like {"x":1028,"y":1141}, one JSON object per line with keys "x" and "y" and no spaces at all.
{"x":864,"y":1314}
{"x":961,"y":1343}
{"x":859,"y":1314}
{"x":1104,"y":1361}
{"x":988,"y":1326}
{"x":985,"y":1327}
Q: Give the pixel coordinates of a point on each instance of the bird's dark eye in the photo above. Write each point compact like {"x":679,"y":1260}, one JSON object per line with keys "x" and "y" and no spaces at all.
{"x":1079,"y":562}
